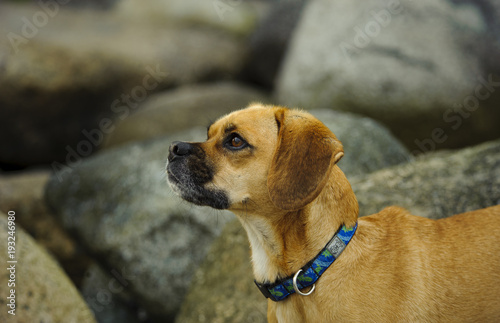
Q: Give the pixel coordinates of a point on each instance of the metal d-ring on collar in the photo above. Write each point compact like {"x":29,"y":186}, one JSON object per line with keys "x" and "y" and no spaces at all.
{"x":296,"y":288}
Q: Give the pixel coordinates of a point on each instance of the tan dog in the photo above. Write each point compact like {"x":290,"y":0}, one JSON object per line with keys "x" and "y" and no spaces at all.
{"x":276,"y":170}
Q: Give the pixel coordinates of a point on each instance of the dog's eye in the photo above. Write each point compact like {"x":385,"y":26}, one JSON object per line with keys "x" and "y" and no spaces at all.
{"x":235,"y":142}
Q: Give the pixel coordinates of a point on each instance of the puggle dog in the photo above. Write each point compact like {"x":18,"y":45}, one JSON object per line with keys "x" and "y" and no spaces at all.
{"x":315,"y":261}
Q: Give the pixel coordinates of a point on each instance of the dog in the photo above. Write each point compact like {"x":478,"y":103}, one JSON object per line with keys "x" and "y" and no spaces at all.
{"x":276,"y":169}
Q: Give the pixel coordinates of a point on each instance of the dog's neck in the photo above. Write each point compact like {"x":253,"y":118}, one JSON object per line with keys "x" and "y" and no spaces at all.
{"x":283,"y":242}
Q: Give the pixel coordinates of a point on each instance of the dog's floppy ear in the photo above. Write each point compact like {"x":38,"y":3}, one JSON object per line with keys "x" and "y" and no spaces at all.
{"x":301,"y":164}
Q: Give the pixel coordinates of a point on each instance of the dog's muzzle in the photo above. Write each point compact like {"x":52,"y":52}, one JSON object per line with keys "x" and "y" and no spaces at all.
{"x":189,"y":172}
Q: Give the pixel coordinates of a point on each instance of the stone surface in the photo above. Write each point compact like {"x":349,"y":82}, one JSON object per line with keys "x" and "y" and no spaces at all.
{"x":222,"y":288}
{"x":269,"y":42}
{"x":424,"y":68}
{"x":92,"y":4}
{"x":43,"y":293}
{"x":107,"y":295}
{"x":236,"y":17}
{"x":123,"y":211}
{"x":70,"y":70}
{"x":182,"y":108}
{"x":436,"y":185}
{"x":23,"y":193}
{"x":360,"y":134}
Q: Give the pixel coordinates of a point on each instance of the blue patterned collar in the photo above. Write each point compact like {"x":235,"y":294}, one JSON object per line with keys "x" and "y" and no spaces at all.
{"x":311,"y":272}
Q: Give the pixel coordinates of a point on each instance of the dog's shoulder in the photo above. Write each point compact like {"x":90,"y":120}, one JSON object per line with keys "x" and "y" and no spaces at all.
{"x":395,"y":215}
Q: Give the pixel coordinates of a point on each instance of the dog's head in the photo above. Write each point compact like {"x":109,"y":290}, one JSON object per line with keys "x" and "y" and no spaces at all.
{"x":263,"y":158}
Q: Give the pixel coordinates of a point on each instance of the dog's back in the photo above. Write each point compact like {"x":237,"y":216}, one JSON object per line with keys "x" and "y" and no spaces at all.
{"x":471,"y":254}
{"x":425,"y":270}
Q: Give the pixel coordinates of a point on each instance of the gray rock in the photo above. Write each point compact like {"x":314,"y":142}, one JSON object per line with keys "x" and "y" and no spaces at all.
{"x":182,"y":108}
{"x":67,"y":73}
{"x":269,"y":42}
{"x":106,"y":293}
{"x":435,"y":186}
{"x":23,"y":192}
{"x":42,"y":291}
{"x":423,"y":68}
{"x":380,"y":148}
{"x":236,"y":17}
{"x":222,"y":289}
{"x":123,"y":211}
{"x":92,"y":4}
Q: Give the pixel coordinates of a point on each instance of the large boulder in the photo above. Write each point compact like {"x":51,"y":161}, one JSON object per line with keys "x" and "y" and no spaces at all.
{"x":269,"y":42}
{"x":36,"y":287}
{"x":23,"y":192}
{"x":426,"y":69}
{"x":380,"y":148}
{"x":92,"y":4}
{"x":107,"y":294}
{"x":182,"y":108}
{"x":237,"y":17}
{"x":119,"y":205}
{"x":222,"y":289}
{"x":65,"y":74}
{"x":436,"y":186}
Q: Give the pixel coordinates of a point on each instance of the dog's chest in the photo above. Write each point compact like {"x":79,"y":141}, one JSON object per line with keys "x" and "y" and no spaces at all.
{"x":288,"y":314}
{"x":263,"y":267}
{"x":298,"y":311}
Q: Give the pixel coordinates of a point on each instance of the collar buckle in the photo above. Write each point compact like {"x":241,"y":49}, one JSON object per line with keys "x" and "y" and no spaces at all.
{"x":264,"y":290}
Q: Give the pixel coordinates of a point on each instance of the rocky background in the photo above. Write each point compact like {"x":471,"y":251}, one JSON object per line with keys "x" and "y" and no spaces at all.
{"x":93,"y":92}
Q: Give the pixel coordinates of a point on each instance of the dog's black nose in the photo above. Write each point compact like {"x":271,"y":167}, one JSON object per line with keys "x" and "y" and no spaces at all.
{"x":179,"y":149}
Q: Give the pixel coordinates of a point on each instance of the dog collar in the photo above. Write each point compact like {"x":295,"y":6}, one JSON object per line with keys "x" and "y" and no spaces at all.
{"x":310,"y":273}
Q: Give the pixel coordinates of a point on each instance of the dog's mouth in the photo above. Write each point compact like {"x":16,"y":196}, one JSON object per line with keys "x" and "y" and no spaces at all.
{"x":190,"y":186}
